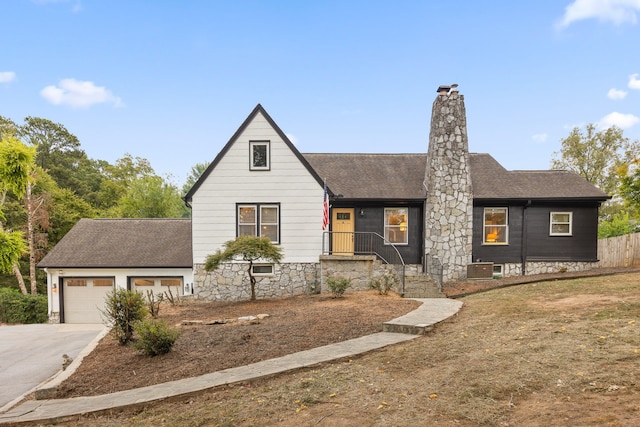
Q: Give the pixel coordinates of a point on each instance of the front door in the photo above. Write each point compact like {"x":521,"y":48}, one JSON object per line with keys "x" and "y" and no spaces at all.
{"x":342,"y":227}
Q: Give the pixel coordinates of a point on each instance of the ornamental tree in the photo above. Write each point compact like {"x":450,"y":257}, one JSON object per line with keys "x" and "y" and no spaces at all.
{"x":246,"y":248}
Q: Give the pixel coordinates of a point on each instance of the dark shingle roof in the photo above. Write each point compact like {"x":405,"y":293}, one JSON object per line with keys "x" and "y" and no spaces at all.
{"x":492,"y":181}
{"x":401,"y":176}
{"x":114,"y":243}
{"x":372,"y":176}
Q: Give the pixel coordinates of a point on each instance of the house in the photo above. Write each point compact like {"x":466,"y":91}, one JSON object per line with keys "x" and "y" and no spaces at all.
{"x":424,"y":218}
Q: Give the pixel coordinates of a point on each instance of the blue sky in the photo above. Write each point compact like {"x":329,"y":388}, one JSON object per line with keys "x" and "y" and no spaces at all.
{"x":171,"y":81}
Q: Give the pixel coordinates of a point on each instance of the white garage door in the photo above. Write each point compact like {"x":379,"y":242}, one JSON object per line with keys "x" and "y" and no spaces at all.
{"x":84,"y":299}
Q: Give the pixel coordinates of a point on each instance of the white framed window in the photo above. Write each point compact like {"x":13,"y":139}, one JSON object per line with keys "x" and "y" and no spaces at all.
{"x":262,"y":269}
{"x":496,"y":226}
{"x":261,"y":220}
{"x":560,"y":223}
{"x":396,"y":225}
{"x":259,"y":155}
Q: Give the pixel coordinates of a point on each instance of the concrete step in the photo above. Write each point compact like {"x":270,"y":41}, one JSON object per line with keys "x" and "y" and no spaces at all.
{"x":421,"y":286}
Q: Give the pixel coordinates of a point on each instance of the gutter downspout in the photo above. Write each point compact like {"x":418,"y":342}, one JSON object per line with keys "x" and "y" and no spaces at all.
{"x":523,"y":248}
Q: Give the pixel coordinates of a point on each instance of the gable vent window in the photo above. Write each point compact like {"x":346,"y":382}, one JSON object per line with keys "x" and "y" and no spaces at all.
{"x":259,"y":220}
{"x":560,"y":224}
{"x":259,"y":155}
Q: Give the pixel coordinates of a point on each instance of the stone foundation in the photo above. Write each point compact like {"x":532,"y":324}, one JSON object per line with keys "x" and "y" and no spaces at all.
{"x":230,"y":282}
{"x":540,"y":267}
{"x":359,"y":269}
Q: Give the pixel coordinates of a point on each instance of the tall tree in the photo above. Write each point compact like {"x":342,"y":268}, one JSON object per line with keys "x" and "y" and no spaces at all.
{"x":196,"y":172}
{"x":119,"y":177}
{"x":630,"y":184}
{"x":596,"y":155}
{"x":59,"y":153}
{"x":7,"y":127}
{"x":151,"y":197}
{"x":37,"y":205}
{"x":16,"y":164}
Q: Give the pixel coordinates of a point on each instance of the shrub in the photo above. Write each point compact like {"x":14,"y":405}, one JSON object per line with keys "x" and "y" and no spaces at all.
{"x":123,"y":308}
{"x":153,"y":302}
{"x":338,"y":285}
{"x":16,"y":307}
{"x":383,"y":284}
{"x":155,"y":337}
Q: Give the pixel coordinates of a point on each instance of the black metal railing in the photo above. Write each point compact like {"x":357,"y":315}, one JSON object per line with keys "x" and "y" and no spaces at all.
{"x":434,"y":269}
{"x":364,"y":243}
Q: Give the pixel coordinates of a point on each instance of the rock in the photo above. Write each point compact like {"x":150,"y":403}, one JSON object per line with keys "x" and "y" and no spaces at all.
{"x":216,"y":322}
{"x":192,"y":322}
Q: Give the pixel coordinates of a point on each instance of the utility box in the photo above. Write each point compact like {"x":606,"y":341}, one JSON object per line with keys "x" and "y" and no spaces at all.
{"x":480,"y":271}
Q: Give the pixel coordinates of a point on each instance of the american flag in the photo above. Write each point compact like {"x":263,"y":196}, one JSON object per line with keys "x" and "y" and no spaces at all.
{"x":325,"y":209}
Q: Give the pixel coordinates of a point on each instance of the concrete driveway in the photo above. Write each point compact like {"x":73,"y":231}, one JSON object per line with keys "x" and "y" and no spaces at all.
{"x":31,"y":354}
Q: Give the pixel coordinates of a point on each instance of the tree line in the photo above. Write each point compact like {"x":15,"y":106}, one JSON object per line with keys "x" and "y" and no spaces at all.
{"x":48,"y":183}
{"x":610,"y":161}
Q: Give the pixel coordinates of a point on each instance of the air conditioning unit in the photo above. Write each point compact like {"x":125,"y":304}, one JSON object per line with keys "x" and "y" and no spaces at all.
{"x":480,"y":271}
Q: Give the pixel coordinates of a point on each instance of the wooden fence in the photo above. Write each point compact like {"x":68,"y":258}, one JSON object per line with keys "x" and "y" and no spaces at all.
{"x":621,"y":251}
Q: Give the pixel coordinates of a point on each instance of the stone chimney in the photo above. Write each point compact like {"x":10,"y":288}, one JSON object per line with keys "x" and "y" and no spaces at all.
{"x":449,"y":205}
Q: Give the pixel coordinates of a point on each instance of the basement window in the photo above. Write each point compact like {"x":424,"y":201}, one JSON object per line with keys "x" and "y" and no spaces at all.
{"x":498,"y":271}
{"x":262,"y":269}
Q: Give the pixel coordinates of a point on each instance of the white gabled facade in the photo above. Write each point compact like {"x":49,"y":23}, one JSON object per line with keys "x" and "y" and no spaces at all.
{"x":288,"y":183}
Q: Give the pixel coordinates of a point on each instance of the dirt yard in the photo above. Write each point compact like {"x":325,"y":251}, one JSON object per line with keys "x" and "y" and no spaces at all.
{"x":292,"y":324}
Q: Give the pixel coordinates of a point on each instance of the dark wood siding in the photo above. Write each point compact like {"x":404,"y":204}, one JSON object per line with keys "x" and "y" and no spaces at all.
{"x":370,"y":218}
{"x":511,"y":252}
{"x":582,"y":245}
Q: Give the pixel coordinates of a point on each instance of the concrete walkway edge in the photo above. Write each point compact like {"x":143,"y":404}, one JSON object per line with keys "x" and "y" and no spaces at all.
{"x":431,"y":311}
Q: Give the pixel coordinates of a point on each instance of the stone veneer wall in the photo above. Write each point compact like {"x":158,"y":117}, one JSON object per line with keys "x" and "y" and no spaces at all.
{"x":360,"y":269}
{"x":230,"y":282}
{"x":449,"y":205}
{"x":539,"y":267}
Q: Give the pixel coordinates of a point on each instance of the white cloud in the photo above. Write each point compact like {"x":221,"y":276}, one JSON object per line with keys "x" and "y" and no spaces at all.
{"x":540,"y":137}
{"x":79,"y":94}
{"x":634,"y":82}
{"x":620,"y":120}
{"x":7,"y":76}
{"x":616,"y":94}
{"x":614,"y":11}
